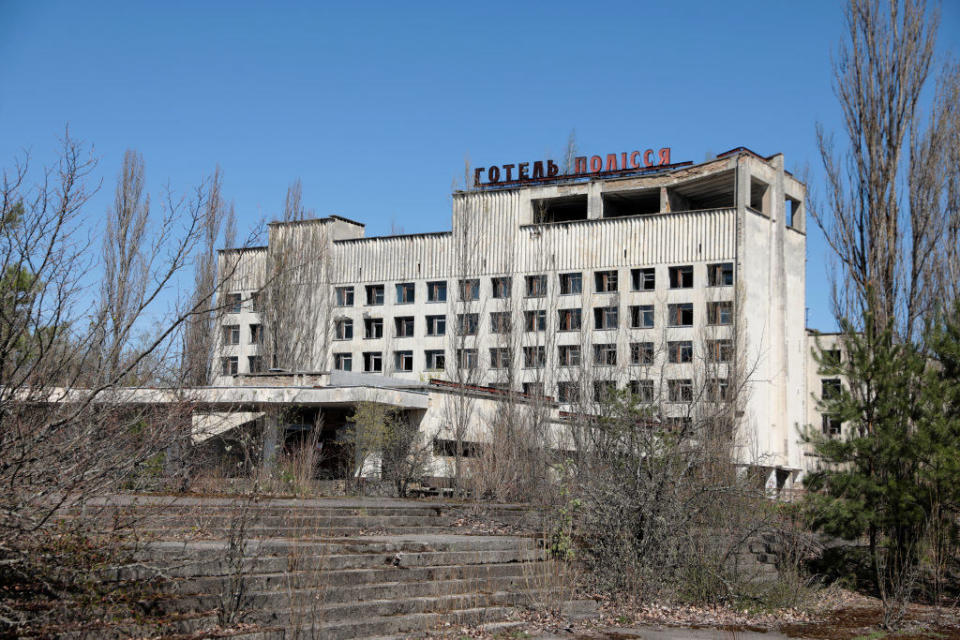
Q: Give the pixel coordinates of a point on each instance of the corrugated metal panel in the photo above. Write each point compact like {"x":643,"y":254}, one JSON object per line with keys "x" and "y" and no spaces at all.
{"x":244,"y":268}
{"x":391,"y":258}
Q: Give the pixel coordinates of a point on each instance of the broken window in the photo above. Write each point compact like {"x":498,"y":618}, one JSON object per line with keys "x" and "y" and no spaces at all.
{"x":720,"y":274}
{"x":681,"y":315}
{"x":470,"y":289}
{"x":830,"y":389}
{"x":234,"y":302}
{"x":501,"y":287}
{"x":831,"y":425}
{"x":535,"y":320}
{"x":343,"y":361}
{"x":717,"y":389}
{"x":680,"y":390}
{"x":568,"y":392}
{"x":255,"y":302}
{"x":344,"y":296}
{"x":372,"y":328}
{"x":642,"y":390}
{"x":256,"y":334}
{"x":534,"y":389}
{"x":500,"y":322}
{"x":570,"y":319}
{"x":571,"y":283}
{"x":436,"y":325}
{"x":231,"y":334}
{"x":641,"y":353}
{"x":720,"y":312}
{"x":228,"y":365}
{"x":343,"y":329}
{"x":680,"y":351}
{"x":831,"y":357}
{"x":403,"y":360}
{"x":467,"y":324}
{"x":404,"y":326}
{"x":467,"y":358}
{"x":605,"y":281}
{"x":569,"y":355}
{"x":255,"y":364}
{"x":605,"y":354}
{"x":435,"y":359}
{"x":719,"y":350}
{"x":534,"y":357}
{"x":641,"y":316}
{"x":681,"y":277}
{"x":536,"y":286}
{"x":563,"y":209}
{"x":606,"y":317}
{"x":437,"y":291}
{"x":792,"y":210}
{"x":644,"y":279}
{"x":405,"y":293}
{"x":374,"y":295}
{"x":604,"y":390}
{"x":758,"y":195}
{"x":372,"y":361}
{"x":631,"y":203}
{"x":499,"y":358}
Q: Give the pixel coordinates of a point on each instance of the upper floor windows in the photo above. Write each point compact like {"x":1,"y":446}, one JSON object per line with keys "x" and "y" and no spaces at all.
{"x":373,"y":361}
{"x":606,"y":317}
{"x":234,"y":302}
{"x":501,"y":287}
{"x":470,"y":289}
{"x":344,"y":296}
{"x":343,"y":329}
{"x":406,"y":293}
{"x":404,"y":326}
{"x":231,"y":334}
{"x":571,"y":283}
{"x":374,"y":295}
{"x":720,"y":274}
{"x":372,"y":328}
{"x":536,"y":286}
{"x":436,"y":325}
{"x":535,"y":320}
{"x":467,"y":324}
{"x":643,"y":279}
{"x":570,"y":319}
{"x":681,"y":277}
{"x":437,"y":291}
{"x":500,"y":322}
{"x":641,"y":316}
{"x":605,"y":281}
{"x":229,"y":365}
{"x":720,"y":312}
{"x":681,"y":315}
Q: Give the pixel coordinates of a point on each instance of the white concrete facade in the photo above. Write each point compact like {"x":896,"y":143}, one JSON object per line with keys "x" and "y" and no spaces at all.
{"x":741,"y":210}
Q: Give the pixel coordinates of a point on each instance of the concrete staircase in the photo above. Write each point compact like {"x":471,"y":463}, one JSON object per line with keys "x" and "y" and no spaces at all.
{"x":332,"y":569}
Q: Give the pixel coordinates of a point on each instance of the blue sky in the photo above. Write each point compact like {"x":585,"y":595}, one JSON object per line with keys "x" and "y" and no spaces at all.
{"x":375,"y":105}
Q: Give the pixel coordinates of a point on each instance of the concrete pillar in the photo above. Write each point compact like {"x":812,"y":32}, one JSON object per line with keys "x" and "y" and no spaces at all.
{"x":271,"y":440}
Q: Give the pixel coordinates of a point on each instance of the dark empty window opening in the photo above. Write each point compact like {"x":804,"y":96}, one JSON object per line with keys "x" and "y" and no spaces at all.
{"x":758,"y":196}
{"x":710,"y":192}
{"x":562,"y":209}
{"x":791,"y":209}
{"x":631,"y":203}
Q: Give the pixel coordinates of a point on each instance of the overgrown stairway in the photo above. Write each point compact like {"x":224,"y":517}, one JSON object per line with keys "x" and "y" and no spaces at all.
{"x":323,"y":568}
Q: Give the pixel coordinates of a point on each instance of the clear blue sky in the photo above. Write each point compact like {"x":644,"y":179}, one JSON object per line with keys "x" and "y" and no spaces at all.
{"x":375,"y":105}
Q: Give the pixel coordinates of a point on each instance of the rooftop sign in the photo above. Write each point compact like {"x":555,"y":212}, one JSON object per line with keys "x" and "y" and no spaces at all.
{"x":540,"y":171}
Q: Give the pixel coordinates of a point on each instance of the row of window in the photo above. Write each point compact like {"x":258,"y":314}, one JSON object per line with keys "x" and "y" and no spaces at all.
{"x":535,"y":286}
{"x":678,"y":390}
{"x":604,"y":318}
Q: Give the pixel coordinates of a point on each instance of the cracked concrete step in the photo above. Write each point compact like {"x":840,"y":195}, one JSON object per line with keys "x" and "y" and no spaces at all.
{"x":401,"y":626}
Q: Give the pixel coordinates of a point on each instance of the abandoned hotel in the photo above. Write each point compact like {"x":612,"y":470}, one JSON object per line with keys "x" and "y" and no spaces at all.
{"x":554,"y":288}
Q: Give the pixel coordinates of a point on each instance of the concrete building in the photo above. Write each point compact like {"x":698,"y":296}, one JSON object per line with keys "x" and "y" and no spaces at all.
{"x":637,"y":272}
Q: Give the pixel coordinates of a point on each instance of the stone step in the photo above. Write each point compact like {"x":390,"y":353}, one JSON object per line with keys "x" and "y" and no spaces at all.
{"x":256,"y":531}
{"x":402,"y":626}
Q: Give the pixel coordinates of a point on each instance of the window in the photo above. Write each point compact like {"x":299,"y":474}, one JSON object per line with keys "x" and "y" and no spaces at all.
{"x":678,"y":424}
{"x":467,"y":358}
{"x":681,"y":315}
{"x":403,"y":360}
{"x":605,"y":281}
{"x":234,"y":302}
{"x":255,"y":364}
{"x":641,"y":353}
{"x":605,"y":354}
{"x":536,"y":286}
{"x":644,"y":279}
{"x":533,"y":389}
{"x":568,"y":392}
{"x":604,"y":390}
{"x":570,"y":283}
{"x":680,"y":351}
{"x":534,"y":357}
{"x":605,"y":317}
{"x":499,"y":358}
{"x":406,"y":292}
{"x":436,"y":325}
{"x":255,"y":302}
{"x":256,"y":334}
{"x":717,"y":389}
{"x":641,"y":316}
{"x":343,"y":361}
{"x":570,"y":319}
{"x":681,"y":277}
{"x":680,"y":390}
{"x":344,"y":296}
{"x":831,"y":425}
{"x":830,"y":389}
{"x":437,"y":291}
{"x":470,"y":289}
{"x":372,"y":361}
{"x":374,"y":295}
{"x":404,"y":326}
{"x":467,"y":324}
{"x":642,"y":390}
{"x":719,"y":350}
{"x":231,"y":334}
{"x":343,"y":329}
{"x":569,"y":355}
{"x":436,"y":359}
{"x":501,"y":287}
{"x":720,"y":275}
{"x":720,"y":312}
{"x":500,"y":322}
{"x":372,"y":328}
{"x":228,"y":365}
{"x":535,"y":320}
{"x":832,"y":358}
